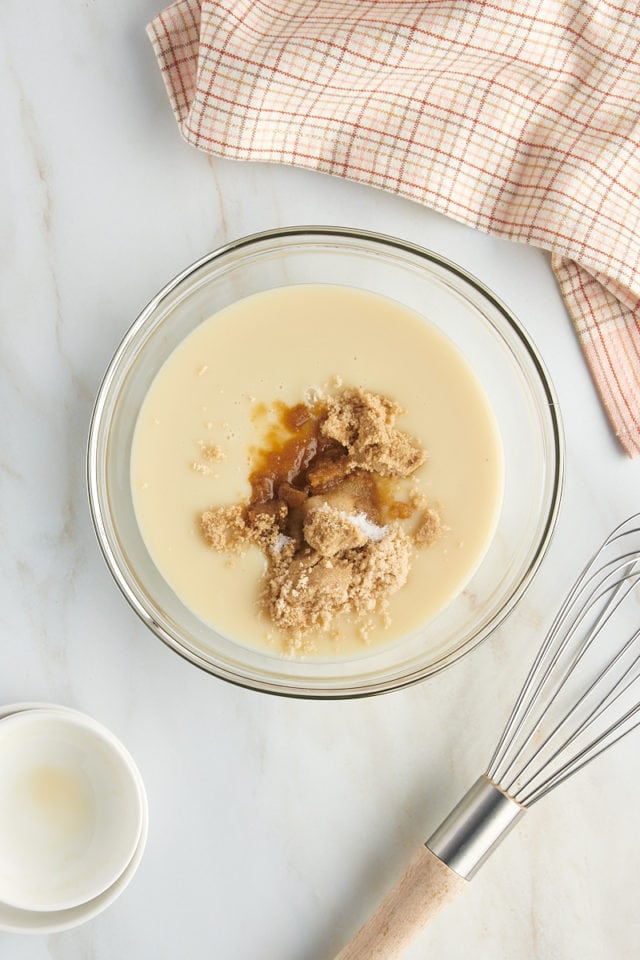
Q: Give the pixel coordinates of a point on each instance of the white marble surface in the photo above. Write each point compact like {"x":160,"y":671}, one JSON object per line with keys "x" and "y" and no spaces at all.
{"x":275,"y":825}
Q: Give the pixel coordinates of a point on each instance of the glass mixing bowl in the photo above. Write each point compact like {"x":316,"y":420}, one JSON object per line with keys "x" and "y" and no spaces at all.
{"x":484,"y":330}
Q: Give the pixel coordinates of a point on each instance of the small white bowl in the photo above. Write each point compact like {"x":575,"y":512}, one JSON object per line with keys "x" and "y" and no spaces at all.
{"x":39,"y":923}
{"x":71,"y":810}
{"x":14,"y":920}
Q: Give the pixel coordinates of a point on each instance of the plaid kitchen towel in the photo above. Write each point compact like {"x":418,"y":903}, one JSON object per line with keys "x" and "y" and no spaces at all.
{"x":519,"y":118}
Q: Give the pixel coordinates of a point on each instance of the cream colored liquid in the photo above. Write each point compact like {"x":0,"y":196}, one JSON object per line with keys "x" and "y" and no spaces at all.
{"x":60,"y":800}
{"x":276,"y":345}
{"x":52,"y":812}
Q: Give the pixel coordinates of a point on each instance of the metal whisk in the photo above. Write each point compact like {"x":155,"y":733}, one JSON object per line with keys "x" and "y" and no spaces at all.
{"x":580,"y":697}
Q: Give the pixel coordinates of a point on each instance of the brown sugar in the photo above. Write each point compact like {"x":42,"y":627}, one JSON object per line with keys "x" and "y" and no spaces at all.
{"x":213,"y":452}
{"x":305,"y":591}
{"x":209,"y":453}
{"x":363,"y":422}
{"x":308,"y":590}
{"x":381,"y":568}
{"x":429,"y":528}
{"x":224,"y":528}
{"x":330,"y":531}
{"x":231,"y":528}
{"x":324,"y":510}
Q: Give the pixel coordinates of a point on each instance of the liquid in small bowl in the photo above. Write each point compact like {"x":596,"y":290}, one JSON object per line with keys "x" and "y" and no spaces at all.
{"x":71,"y":810}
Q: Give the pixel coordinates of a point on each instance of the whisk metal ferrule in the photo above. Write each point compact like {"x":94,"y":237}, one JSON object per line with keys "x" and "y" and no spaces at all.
{"x":475,"y":827}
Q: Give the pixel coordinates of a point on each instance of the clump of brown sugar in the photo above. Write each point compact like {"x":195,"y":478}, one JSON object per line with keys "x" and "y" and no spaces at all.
{"x":429,"y":529}
{"x":213,"y":452}
{"x":324,"y":510}
{"x":306,"y":590}
{"x":330,"y":531}
{"x":363,"y":422}
{"x":232,"y":528}
{"x":224,"y":528}
{"x":209,"y":453}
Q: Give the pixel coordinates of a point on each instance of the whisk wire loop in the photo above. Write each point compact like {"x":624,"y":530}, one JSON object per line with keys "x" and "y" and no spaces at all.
{"x":605,"y":701}
{"x":581,"y":759}
{"x":583,"y":674}
{"x":526,"y":698}
{"x":581,"y":649}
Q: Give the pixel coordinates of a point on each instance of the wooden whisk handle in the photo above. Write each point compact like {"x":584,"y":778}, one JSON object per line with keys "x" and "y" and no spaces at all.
{"x":425,"y":887}
{"x":438,"y":871}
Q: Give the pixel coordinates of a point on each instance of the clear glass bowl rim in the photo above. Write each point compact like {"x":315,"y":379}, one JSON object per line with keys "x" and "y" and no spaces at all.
{"x":326,"y":232}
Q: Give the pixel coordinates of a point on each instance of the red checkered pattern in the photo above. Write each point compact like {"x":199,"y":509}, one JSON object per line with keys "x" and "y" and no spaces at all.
{"x":519,"y":118}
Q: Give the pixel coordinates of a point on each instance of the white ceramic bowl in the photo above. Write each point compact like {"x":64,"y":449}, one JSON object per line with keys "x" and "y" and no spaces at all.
{"x":72,"y":810}
{"x":14,"y":920}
